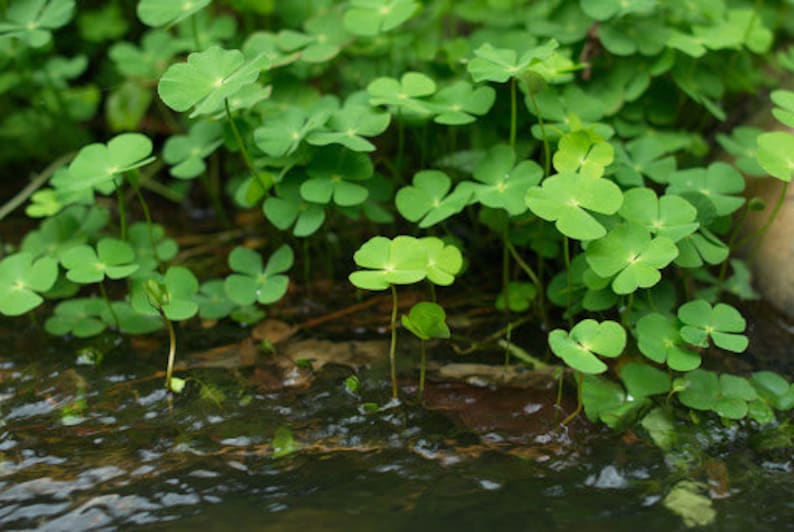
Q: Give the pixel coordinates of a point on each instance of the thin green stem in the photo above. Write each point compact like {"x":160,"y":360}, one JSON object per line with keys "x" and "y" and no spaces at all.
{"x":266,"y":183}
{"x":169,"y":371}
{"x":506,"y":270}
{"x":122,"y":212}
{"x":758,"y":235}
{"x":579,"y":377}
{"x":627,"y":310}
{"x":432,"y":291}
{"x":393,"y":344}
{"x":567,"y":254}
{"x":422,"y":369}
{"x":104,"y":292}
{"x":194,"y":28}
{"x":533,"y":277}
{"x":513,"y":113}
{"x":546,"y":146}
{"x":400,"y":145}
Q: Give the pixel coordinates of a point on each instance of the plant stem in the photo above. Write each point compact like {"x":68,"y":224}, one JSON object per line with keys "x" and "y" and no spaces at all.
{"x":572,"y":416}
{"x":104,"y":292}
{"x":393,"y":345}
{"x":422,"y":369}
{"x":535,"y":280}
{"x":122,"y":212}
{"x":513,"y":113}
{"x":567,"y":254}
{"x":36,"y":183}
{"x":546,"y":147}
{"x":266,"y":183}
{"x":506,"y":270}
{"x":758,"y":235}
{"x":194,"y":27}
{"x":171,"y":350}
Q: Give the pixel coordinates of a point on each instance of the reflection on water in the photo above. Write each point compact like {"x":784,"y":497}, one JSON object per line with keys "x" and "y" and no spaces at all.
{"x":102,"y":448}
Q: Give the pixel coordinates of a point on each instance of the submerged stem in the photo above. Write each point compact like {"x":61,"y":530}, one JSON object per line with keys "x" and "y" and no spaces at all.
{"x":171,"y":350}
{"x":393,"y":345}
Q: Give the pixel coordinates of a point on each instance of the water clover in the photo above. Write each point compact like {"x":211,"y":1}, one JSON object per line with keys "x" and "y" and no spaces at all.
{"x":583,"y":151}
{"x":702,"y":246}
{"x":22,"y":279}
{"x":404,"y":94}
{"x":186,"y":153}
{"x":502,"y":183}
{"x":168,"y":12}
{"x":644,"y":157}
{"x":80,"y":317}
{"x":427,"y":200}
{"x":171,"y":295}
{"x":784,"y":112}
{"x":254,"y":282}
{"x":207,"y":79}
{"x":460,"y":103}
{"x":426,"y":320}
{"x":147,"y":61}
{"x":607,"y":9}
{"x":444,"y":261}
{"x":501,"y":64}
{"x":324,"y":38}
{"x":371,"y":17}
{"x":659,"y":339}
{"x":643,"y":380}
{"x":287,"y":207}
{"x":670,"y":216}
{"x":389,"y":262}
{"x":213,"y":302}
{"x":588,"y":338}
{"x":776,"y":154}
{"x":333,"y":173}
{"x":100,"y":165}
{"x":720,"y":183}
{"x":111,"y":258}
{"x":519,"y":297}
{"x":722,"y":323}
{"x":349,"y":125}
{"x":566,"y":197}
{"x":742,"y":143}
{"x":151,"y":246}
{"x":32,"y":21}
{"x":726,"y":395}
{"x":630,"y":254}
{"x":281,"y":136}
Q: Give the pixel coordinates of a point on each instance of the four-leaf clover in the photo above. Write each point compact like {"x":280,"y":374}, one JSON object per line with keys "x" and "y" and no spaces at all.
{"x":254,"y":282}
{"x":722,"y":323}
{"x":587,"y":339}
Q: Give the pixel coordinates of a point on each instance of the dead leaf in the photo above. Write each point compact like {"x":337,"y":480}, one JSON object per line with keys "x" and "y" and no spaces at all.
{"x":274,"y":331}
{"x":354,"y":354}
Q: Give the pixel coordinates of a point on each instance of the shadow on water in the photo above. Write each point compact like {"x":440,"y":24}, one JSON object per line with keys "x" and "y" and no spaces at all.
{"x":84,"y":447}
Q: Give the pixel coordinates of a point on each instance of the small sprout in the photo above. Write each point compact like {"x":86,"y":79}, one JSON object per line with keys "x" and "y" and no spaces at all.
{"x":158,"y":13}
{"x":564,"y":199}
{"x":177,"y":385}
{"x":352,"y":384}
{"x":21,"y":281}
{"x":254,"y":283}
{"x":722,"y":323}
{"x":587,"y":339}
{"x":208,"y":79}
{"x":171,"y":295}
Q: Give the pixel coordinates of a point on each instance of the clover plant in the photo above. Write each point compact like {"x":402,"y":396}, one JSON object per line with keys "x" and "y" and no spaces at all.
{"x":426,"y":320}
{"x":586,"y":137}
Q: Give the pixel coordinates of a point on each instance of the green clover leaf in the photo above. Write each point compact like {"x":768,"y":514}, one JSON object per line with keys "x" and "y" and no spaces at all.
{"x":773,"y":389}
{"x":207,"y":79}
{"x":402,"y":260}
{"x":80,"y":317}
{"x":501,"y":64}
{"x":776,"y":154}
{"x":520,"y":296}
{"x":172,"y":294}
{"x":253,"y":282}
{"x":426,"y":320}
{"x":460,"y":103}
{"x":151,"y":247}
{"x":585,"y":152}
{"x":324,"y":38}
{"x":371,"y":17}
{"x":186,"y":153}
{"x":722,"y":323}
{"x":112,"y":258}
{"x":644,"y":157}
{"x":720,"y":183}
{"x":427,"y":201}
{"x":669,"y":216}
{"x":288,"y":207}
{"x":502,"y":183}
{"x":332,"y":173}
{"x":629,"y":253}
{"x":642,"y":380}
{"x":607,"y":9}
{"x":444,"y":261}
{"x":168,"y":12}
{"x":32,"y":21}
{"x":147,"y":61}
{"x":702,"y":246}
{"x":726,"y":395}
{"x":70,"y":227}
{"x":658,"y":339}
{"x":565,"y":199}
{"x":101,"y":165}
{"x":742,"y":143}
{"x":21,"y":278}
{"x":349,"y":125}
{"x":213,"y":302}
{"x":784,"y":112}
{"x":587,"y":339}
{"x":404,"y":94}
{"x":282,"y":136}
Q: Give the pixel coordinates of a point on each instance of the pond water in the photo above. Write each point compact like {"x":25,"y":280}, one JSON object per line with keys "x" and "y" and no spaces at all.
{"x":85,"y":447}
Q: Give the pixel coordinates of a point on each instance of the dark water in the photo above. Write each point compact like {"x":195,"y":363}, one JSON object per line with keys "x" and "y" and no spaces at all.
{"x":84,"y":447}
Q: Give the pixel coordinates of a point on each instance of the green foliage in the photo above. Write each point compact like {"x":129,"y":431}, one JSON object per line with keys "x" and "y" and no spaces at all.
{"x":22,"y":280}
{"x":254,"y":282}
{"x":722,"y":324}
{"x":111,"y":258}
{"x":32,"y":21}
{"x":426,"y":320}
{"x":588,"y":338}
{"x":166,"y":12}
